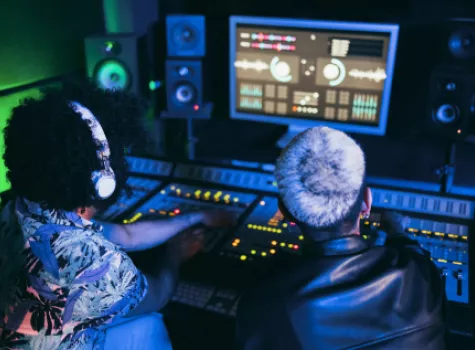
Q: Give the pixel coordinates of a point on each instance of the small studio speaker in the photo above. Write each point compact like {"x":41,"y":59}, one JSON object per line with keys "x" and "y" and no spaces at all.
{"x":186,"y":36}
{"x":451,"y":108}
{"x":117,"y":61}
{"x":184,"y":85}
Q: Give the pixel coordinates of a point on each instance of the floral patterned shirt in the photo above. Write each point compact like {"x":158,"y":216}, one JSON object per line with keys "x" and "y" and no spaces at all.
{"x":77,"y":283}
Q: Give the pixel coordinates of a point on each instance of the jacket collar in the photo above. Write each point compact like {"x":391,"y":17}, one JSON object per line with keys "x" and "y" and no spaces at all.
{"x":346,"y":245}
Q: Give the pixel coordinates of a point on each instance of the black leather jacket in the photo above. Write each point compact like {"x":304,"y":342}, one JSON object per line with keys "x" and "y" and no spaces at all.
{"x":346,"y":295}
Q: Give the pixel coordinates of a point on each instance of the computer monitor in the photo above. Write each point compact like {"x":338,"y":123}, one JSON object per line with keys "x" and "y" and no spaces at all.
{"x":305,"y":73}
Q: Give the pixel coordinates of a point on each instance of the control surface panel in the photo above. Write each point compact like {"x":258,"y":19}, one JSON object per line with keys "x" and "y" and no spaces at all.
{"x":177,"y":199}
{"x":439,"y":223}
{"x":140,"y":187}
{"x":264,"y":233}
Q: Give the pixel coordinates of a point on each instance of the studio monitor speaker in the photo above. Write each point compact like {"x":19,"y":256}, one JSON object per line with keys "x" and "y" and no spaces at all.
{"x":184,"y":86}
{"x":451,"y":108}
{"x":186,"y":36}
{"x":117,"y":61}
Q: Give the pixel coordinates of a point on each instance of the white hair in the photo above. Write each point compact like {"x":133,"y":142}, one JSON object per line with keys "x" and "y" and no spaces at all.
{"x":320,"y":175}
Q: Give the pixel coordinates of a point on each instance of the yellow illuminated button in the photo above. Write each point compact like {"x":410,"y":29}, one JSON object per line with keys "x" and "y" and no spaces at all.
{"x":284,"y":225}
{"x":249,"y":225}
{"x":207,"y":195}
{"x":253,"y":252}
{"x":282,"y":244}
{"x":162,"y":192}
{"x":178,"y":191}
{"x":301,"y":237}
{"x":235,"y":244}
{"x":274,"y":242}
{"x":243,"y":257}
{"x":264,"y":254}
{"x":279,"y":231}
{"x":236,"y":199}
{"x":197,"y":193}
{"x":217,"y":195}
{"x":173,"y":188}
{"x":290,"y":245}
{"x":456,"y":262}
{"x":227,"y":197}
{"x":237,"y":240}
{"x":272,"y":251}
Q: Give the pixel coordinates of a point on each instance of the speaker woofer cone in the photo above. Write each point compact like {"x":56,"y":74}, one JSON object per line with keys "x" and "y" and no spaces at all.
{"x":185,"y":93}
{"x":446,"y":114}
{"x":112,"y":75}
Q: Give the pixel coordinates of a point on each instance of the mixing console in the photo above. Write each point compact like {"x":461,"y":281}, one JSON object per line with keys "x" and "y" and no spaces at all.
{"x":445,"y":237}
{"x":140,"y":189}
{"x":439,"y":224}
{"x":264,"y":233}
{"x":176,"y":199}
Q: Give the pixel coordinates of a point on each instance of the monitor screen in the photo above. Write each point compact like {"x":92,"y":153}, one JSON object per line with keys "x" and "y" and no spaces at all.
{"x":307,"y":73}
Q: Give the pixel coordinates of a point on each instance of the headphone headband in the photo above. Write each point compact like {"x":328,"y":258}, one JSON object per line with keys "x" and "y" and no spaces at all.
{"x":104,"y":180}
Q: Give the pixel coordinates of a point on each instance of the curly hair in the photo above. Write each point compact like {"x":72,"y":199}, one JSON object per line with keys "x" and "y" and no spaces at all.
{"x":49,"y":150}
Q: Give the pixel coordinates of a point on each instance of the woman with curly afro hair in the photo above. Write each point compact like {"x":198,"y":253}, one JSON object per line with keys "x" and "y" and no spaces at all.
{"x":66,"y":279}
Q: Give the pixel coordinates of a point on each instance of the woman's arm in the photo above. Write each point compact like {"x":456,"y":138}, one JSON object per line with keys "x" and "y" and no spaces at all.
{"x":162,"y":282}
{"x":144,"y":235}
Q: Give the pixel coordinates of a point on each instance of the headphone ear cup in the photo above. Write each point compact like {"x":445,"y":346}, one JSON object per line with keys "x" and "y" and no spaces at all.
{"x":104,"y":184}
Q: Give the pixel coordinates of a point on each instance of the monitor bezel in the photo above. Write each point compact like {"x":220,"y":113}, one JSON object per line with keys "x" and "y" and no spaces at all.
{"x":377,"y":130}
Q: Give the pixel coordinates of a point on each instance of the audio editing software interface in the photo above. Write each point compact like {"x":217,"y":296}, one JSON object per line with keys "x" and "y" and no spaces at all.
{"x":325,"y":75}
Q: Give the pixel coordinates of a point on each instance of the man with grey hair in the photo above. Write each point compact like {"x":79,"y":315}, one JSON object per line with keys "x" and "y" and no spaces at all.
{"x":343,"y":293}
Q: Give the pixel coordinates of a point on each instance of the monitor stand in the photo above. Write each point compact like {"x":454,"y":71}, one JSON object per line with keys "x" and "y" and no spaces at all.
{"x":292,"y":131}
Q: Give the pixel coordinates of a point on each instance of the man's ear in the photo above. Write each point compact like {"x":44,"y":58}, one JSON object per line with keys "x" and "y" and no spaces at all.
{"x":285,"y":212}
{"x":367,"y":202}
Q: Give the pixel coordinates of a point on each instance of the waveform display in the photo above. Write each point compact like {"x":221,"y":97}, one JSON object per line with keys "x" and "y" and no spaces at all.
{"x":365,"y":100}
{"x":250,"y":90}
{"x":364,"y":113}
{"x":256,"y":65}
{"x":276,"y":47}
{"x":250,"y":103}
{"x":272,"y":37}
{"x":339,"y":47}
{"x":376,"y":75}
